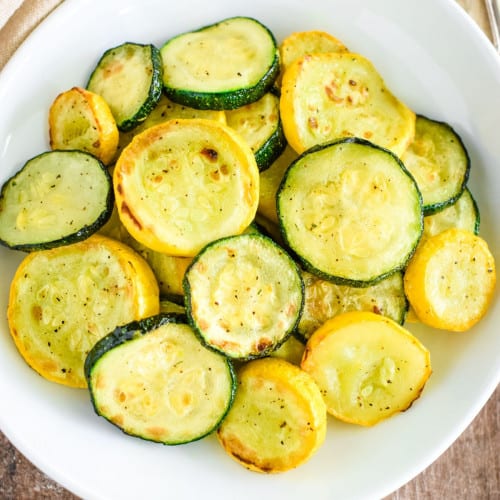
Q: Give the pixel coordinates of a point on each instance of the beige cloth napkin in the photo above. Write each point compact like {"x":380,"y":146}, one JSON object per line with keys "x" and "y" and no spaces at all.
{"x":18,"y":19}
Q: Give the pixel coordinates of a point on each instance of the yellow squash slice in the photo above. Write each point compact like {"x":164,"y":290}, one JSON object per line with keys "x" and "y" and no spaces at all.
{"x":63,"y":300}
{"x":166,"y":110}
{"x":367,"y":366}
{"x":184,"y":183}
{"x":333,"y":95}
{"x":451,"y":279}
{"x":301,"y":43}
{"x":80,"y":119}
{"x":270,"y":180}
{"x":278,"y":418}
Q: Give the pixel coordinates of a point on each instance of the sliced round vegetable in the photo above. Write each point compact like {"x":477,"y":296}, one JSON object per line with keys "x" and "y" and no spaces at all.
{"x":221,"y":66}
{"x":439,"y":162}
{"x":450,"y":281}
{"x":332,"y":95}
{"x":57,"y":198}
{"x":301,"y":43}
{"x":367,"y":367}
{"x":154,"y":380}
{"x":80,"y":119}
{"x":63,"y":300}
{"x":325,"y":300}
{"x":129,"y":78}
{"x":243,"y":295}
{"x":184,"y":183}
{"x":278,"y":418}
{"x":259,"y":124}
{"x":350,"y":211}
{"x":165,"y":110}
{"x":463,"y":214}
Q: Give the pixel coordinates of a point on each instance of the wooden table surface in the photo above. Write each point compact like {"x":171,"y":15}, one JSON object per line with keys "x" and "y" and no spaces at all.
{"x":469,"y":469}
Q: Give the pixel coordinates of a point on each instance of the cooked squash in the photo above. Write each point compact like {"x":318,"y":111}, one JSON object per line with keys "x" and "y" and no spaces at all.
{"x":63,"y":300}
{"x":154,"y":380}
{"x":301,"y":43}
{"x":367,"y":366}
{"x":325,"y":300}
{"x":184,"y":183}
{"x":80,"y":119}
{"x":278,"y":418}
{"x":333,"y":95}
{"x":451,"y":279}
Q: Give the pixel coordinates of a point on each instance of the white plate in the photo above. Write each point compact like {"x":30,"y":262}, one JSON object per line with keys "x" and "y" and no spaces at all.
{"x":435,"y":59}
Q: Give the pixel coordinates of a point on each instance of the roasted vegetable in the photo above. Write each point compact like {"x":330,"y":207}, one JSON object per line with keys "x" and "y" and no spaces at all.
{"x":154,"y":380}
{"x":80,"y":119}
{"x":222,"y":66}
{"x":243,"y":295}
{"x":63,"y":300}
{"x":439,"y":162}
{"x":350,"y":211}
{"x":451,"y":279}
{"x":367,"y":367}
{"x":184,"y":183}
{"x":57,"y":198}
{"x":332,"y":95}
{"x":278,"y":418}
{"x":129,"y":78}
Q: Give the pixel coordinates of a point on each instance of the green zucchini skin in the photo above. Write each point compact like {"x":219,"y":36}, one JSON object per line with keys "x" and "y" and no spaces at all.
{"x":463,"y":213}
{"x":342,"y":278}
{"x":135,"y":331}
{"x":452,"y":162}
{"x":228,"y":326}
{"x":44,"y":173}
{"x":152,"y":94}
{"x":270,"y":151}
{"x":325,"y":300}
{"x":230,"y":98}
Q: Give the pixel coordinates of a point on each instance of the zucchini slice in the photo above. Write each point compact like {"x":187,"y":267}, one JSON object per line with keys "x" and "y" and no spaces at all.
{"x":221,"y":66}
{"x":367,"y":366}
{"x":350,"y":211}
{"x":259,"y":124}
{"x":278,"y":418}
{"x":57,"y":198}
{"x":325,"y":300}
{"x":63,"y":300}
{"x":129,"y":78}
{"x":450,"y":281}
{"x":244,"y":295}
{"x":439,"y":162}
{"x":184,"y":183}
{"x":80,"y":119}
{"x":339,"y":94}
{"x":463,"y":214}
{"x":154,"y":380}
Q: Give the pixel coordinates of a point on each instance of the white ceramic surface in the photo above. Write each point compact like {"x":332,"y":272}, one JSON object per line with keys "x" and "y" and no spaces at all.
{"x":435,"y":59}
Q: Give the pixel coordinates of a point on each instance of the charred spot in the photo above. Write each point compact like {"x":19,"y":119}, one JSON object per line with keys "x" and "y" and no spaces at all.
{"x":263,"y":344}
{"x":37,"y":313}
{"x":96,"y":144}
{"x":119,"y":188}
{"x":210,"y":154}
{"x":313,"y":123}
{"x":126,"y":211}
